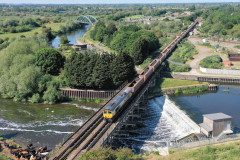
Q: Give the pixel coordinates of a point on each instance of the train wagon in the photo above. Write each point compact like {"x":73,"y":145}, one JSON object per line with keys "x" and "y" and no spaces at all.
{"x":115,"y":105}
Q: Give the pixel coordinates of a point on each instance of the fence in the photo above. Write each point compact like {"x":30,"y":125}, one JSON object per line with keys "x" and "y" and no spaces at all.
{"x":220,"y":71}
{"x":204,"y":141}
{"x":90,"y":94}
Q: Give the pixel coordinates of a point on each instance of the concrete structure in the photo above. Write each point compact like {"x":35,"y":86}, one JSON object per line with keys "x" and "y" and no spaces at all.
{"x":216,"y":124}
{"x":220,"y":71}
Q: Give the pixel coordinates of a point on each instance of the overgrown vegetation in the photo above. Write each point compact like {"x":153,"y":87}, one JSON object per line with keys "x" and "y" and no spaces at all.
{"x":16,"y":25}
{"x":166,"y":83}
{"x":222,"y":21}
{"x":130,"y":39}
{"x":214,"y":62}
{"x":20,"y":77}
{"x":191,"y":90}
{"x":184,"y":52}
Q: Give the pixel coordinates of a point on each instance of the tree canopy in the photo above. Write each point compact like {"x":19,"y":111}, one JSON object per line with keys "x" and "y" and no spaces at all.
{"x":49,"y":60}
{"x":130,"y":39}
{"x":98,"y":71}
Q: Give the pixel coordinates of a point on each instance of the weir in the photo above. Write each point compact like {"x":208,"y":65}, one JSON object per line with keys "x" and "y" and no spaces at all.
{"x":164,"y":124}
{"x":179,"y":118}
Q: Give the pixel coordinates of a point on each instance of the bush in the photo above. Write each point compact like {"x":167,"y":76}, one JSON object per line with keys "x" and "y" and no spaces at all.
{"x":49,"y":60}
{"x":36,"y":98}
{"x":51,"y":95}
{"x":179,"y":68}
{"x":214,"y":62}
{"x":184,"y":52}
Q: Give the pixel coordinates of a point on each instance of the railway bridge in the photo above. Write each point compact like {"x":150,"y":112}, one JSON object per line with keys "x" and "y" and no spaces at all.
{"x":96,"y":131}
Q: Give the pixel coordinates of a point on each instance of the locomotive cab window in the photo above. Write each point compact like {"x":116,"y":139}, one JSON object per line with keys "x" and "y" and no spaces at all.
{"x":107,"y":111}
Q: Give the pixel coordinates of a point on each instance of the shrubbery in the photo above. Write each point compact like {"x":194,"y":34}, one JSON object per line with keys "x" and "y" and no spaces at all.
{"x":180,"y":56}
{"x":20,"y":77}
{"x":131,"y":39}
{"x":214,"y":62}
{"x":16,"y":26}
{"x":184,"y":52}
{"x":179,"y":68}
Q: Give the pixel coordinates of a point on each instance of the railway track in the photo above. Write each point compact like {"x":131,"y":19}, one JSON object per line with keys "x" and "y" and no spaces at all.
{"x":71,"y":147}
{"x":94,"y":131}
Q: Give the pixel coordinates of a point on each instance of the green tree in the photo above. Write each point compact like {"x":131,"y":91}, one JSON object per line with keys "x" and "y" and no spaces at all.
{"x":122,"y":69}
{"x":101,"y":73}
{"x":139,"y":50}
{"x":47,"y":32}
{"x":49,"y":60}
{"x":64,"y":40}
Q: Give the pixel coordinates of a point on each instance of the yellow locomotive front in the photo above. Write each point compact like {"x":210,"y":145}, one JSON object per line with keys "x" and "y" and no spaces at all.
{"x":107,"y":114}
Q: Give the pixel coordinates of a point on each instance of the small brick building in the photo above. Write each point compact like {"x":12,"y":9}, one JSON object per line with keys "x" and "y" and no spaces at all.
{"x":215,"y":124}
{"x":234,"y":57}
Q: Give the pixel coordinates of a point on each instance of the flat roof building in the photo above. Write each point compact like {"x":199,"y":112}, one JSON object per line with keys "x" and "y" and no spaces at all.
{"x":215,"y":124}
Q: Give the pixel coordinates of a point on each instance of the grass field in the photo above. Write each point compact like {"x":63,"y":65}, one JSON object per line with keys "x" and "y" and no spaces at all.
{"x":135,"y":17}
{"x":223,"y":151}
{"x":53,"y":26}
{"x":170,"y":82}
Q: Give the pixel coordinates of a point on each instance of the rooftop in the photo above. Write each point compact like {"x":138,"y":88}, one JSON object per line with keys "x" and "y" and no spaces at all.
{"x":217,"y":116}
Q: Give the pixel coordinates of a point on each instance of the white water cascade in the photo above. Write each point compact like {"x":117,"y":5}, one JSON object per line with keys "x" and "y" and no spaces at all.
{"x":164,"y":122}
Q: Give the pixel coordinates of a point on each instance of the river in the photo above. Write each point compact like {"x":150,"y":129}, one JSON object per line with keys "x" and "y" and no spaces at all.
{"x":72,"y":36}
{"x":39,"y":123}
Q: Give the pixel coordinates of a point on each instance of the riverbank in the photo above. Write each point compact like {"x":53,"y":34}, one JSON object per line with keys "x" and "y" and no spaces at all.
{"x":179,"y":87}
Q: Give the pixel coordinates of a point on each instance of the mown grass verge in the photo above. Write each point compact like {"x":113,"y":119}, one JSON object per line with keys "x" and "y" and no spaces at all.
{"x":223,"y":151}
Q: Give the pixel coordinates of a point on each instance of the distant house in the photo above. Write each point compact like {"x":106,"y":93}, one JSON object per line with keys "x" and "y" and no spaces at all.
{"x":216,"y":124}
{"x":234,"y":57}
{"x":80,"y":46}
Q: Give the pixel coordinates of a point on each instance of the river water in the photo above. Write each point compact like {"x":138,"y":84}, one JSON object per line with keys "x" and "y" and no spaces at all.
{"x":72,"y":37}
{"x":50,"y":124}
{"x":41,"y":124}
{"x":159,"y":129}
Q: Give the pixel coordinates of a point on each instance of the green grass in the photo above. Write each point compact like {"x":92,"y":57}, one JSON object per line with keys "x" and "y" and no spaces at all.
{"x":170,"y":82}
{"x":224,"y":151}
{"x":135,"y":16}
{"x":2,"y":157}
{"x":54,"y":26}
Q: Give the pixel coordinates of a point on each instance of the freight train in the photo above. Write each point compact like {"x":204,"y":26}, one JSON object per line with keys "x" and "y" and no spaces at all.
{"x":115,"y":106}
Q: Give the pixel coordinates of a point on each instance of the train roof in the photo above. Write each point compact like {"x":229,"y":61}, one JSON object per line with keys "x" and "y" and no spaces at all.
{"x":116,"y":101}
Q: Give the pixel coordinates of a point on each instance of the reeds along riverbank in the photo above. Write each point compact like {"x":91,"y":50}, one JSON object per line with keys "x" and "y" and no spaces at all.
{"x":186,"y":90}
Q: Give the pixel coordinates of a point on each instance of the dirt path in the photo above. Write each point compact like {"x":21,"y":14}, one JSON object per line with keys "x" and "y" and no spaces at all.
{"x":203,"y":52}
{"x":229,"y":45}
